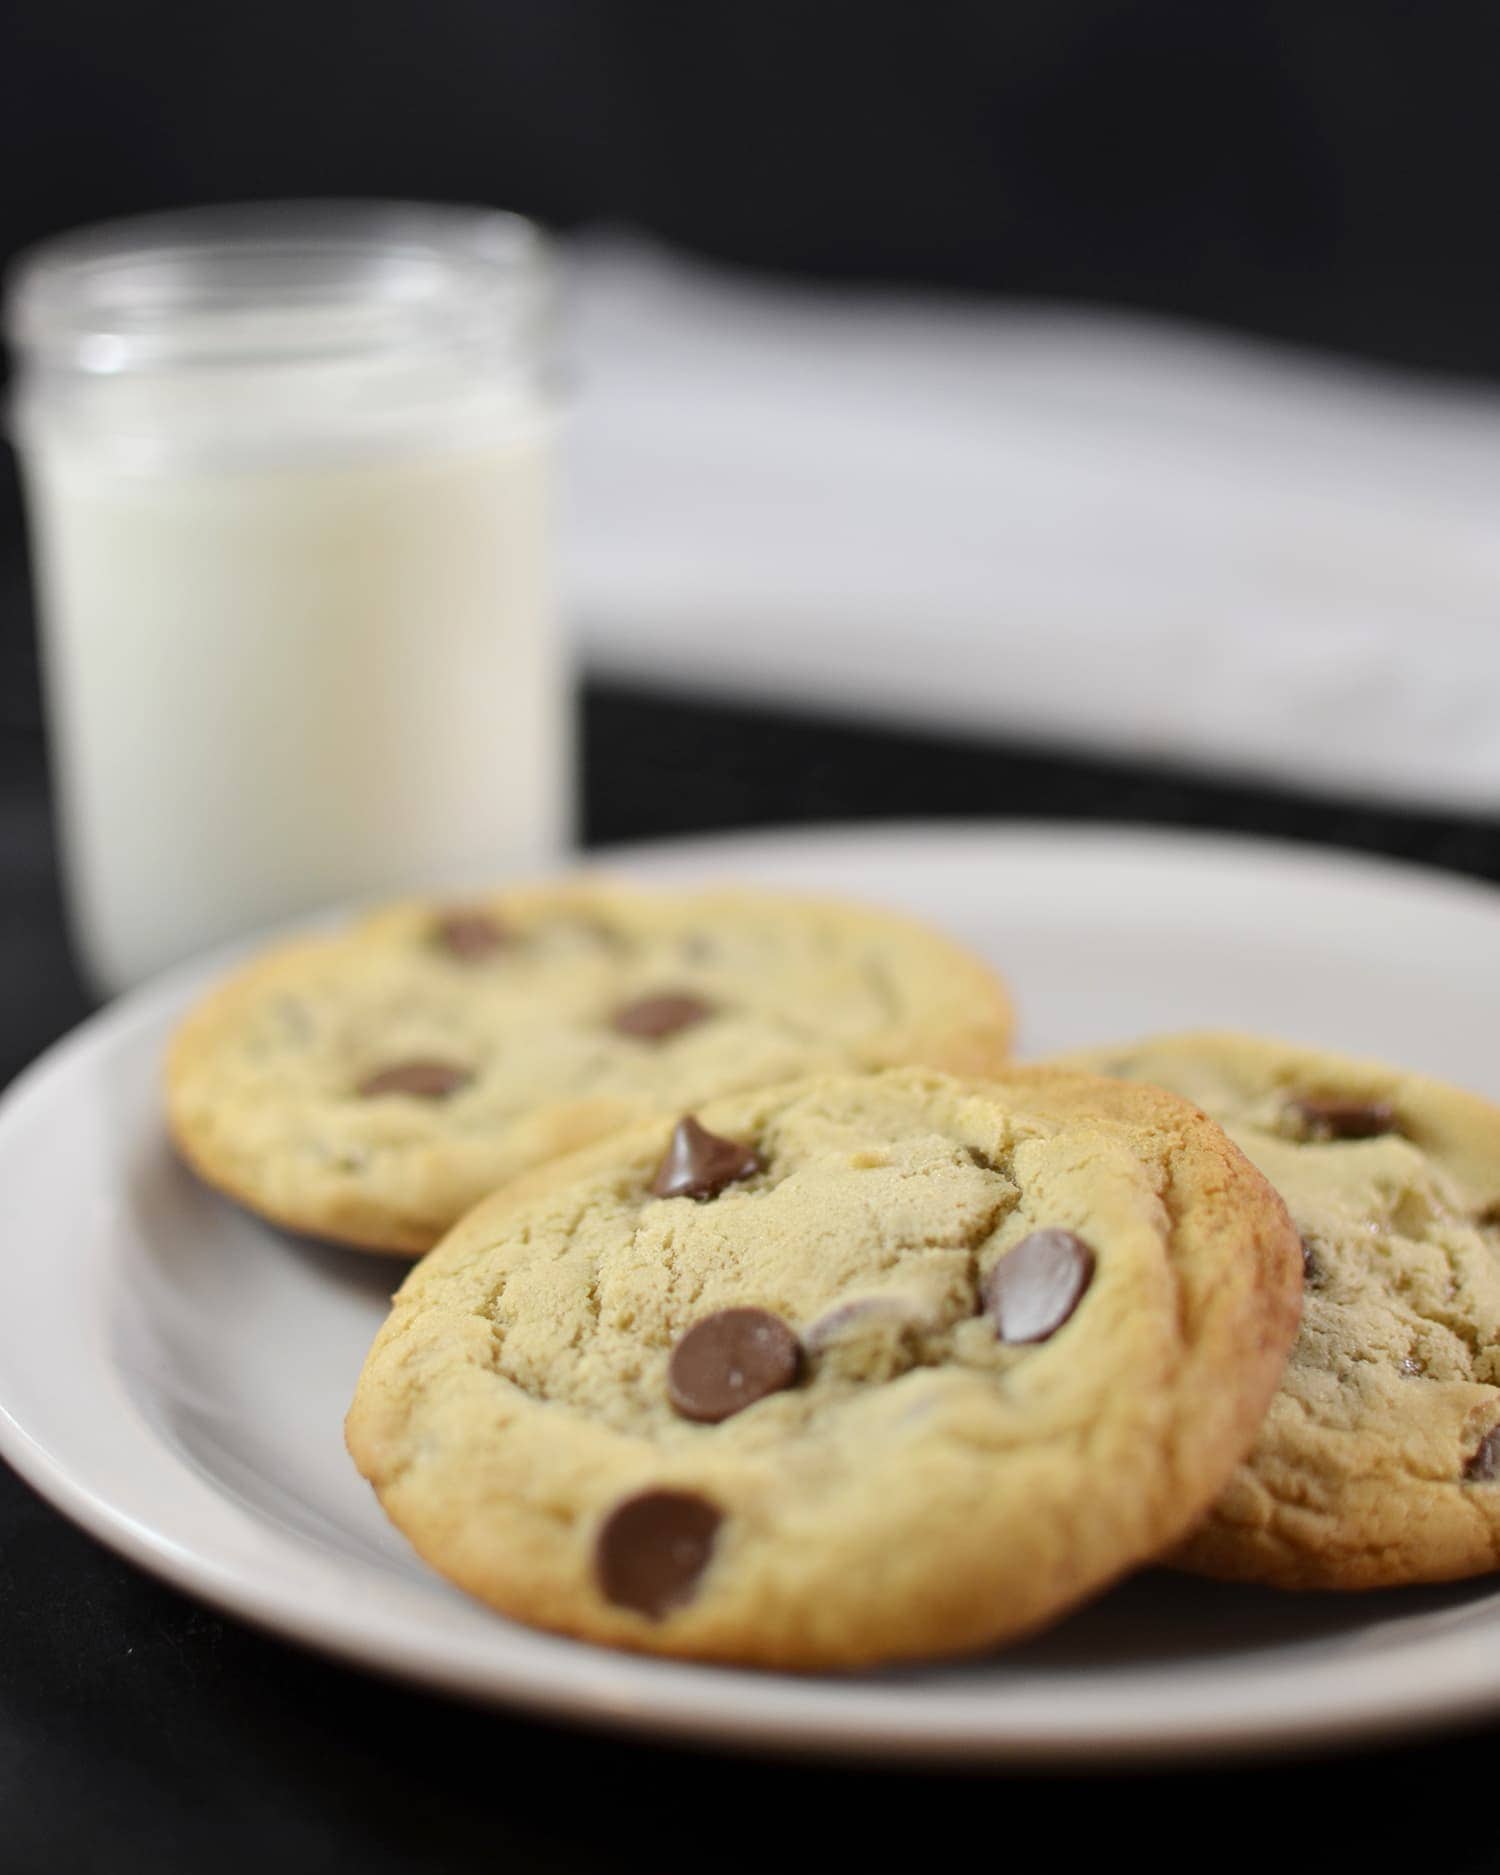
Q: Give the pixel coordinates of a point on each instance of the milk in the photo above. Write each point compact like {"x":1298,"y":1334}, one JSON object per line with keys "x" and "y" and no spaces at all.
{"x":288,"y":478}
{"x":285,"y":685}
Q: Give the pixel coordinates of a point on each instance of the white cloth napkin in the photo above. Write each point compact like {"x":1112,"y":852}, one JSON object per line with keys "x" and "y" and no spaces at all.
{"x":1111,"y":532}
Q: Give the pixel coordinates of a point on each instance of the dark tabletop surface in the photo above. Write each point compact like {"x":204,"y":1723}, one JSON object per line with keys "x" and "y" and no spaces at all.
{"x":139,"y":1731}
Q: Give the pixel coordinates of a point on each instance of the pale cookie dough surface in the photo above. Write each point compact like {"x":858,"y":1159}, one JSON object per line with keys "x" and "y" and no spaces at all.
{"x":1379,"y":1462}
{"x":511,"y":1031}
{"x":923,"y":1486}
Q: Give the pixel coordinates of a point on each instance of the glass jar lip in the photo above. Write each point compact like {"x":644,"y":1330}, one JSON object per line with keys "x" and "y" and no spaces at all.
{"x":279,"y":283}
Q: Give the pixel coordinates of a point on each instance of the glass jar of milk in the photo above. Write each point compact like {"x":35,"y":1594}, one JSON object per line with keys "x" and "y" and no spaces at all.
{"x":287,"y":477}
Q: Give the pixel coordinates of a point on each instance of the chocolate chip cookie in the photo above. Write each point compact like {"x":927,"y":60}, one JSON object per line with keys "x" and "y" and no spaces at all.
{"x":862,"y":1368}
{"x":371,"y":1085}
{"x":1379,"y":1462}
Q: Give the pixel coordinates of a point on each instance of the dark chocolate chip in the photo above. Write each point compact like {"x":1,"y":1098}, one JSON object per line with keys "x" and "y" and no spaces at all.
{"x":652,"y":1018}
{"x":1484,"y":1463}
{"x":653,"y":1548}
{"x":699,"y":1164}
{"x":1312,"y":1271}
{"x":470,"y":936}
{"x":423,"y":1080}
{"x":1036,"y":1286}
{"x":1345,"y":1119}
{"x":730,"y":1360}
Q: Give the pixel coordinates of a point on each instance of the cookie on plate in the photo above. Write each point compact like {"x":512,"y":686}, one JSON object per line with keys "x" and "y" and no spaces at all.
{"x":371,"y":1085}
{"x":1379,"y":1462}
{"x":862,"y":1368}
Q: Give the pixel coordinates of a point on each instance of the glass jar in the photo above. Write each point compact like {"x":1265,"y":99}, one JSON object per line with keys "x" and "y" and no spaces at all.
{"x":287,"y":472}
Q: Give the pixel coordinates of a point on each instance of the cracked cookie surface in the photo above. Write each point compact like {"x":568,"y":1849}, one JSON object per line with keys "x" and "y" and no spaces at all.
{"x":910,"y":1367}
{"x":1379,"y":1462}
{"x":371,"y":1085}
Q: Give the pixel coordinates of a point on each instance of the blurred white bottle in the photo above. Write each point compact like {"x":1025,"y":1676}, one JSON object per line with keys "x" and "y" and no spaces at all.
{"x":287,"y":472}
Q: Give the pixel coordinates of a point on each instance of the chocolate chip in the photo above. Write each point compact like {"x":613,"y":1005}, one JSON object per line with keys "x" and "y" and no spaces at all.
{"x":652,"y":1018}
{"x":1484,"y":1463}
{"x":730,"y":1360}
{"x":1312,"y":1270}
{"x":423,"y":1080}
{"x":653,"y":1548}
{"x":1036,"y":1286}
{"x":470,"y":936}
{"x":1345,"y":1119}
{"x":699,"y":1164}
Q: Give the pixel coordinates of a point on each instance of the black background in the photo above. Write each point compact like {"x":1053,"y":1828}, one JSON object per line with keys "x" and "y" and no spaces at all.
{"x":1315,"y":169}
{"x":1320,"y":172}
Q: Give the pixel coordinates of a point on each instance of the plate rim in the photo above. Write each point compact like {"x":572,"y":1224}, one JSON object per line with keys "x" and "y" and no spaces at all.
{"x":1471,"y":1690}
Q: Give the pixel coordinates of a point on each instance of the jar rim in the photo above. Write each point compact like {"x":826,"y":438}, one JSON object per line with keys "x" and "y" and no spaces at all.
{"x":278,"y":283}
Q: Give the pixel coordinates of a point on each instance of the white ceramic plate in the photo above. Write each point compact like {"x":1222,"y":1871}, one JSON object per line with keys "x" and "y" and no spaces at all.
{"x":173,"y":1375}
